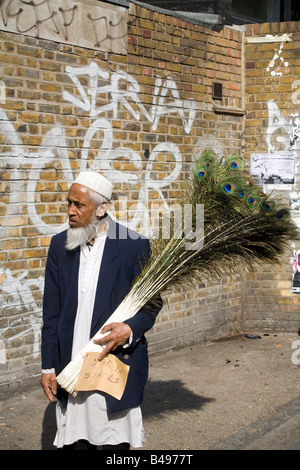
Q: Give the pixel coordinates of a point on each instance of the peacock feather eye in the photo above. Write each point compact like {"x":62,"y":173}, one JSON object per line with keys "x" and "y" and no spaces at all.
{"x":283,"y":214}
{"x":267,"y":206}
{"x":227,"y":188}
{"x":252,"y":200}
{"x":235,"y":162}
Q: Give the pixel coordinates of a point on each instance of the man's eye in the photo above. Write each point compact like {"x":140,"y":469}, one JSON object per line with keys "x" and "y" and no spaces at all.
{"x":77,"y":204}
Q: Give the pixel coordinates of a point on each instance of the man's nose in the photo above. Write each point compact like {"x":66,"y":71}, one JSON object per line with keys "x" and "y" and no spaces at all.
{"x":71,"y":209}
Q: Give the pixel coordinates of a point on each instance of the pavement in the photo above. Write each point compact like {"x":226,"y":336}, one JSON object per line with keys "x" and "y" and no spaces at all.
{"x":233,"y":394}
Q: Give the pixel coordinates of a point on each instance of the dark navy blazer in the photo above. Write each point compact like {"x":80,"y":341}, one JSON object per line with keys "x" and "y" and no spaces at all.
{"x":123,"y":254}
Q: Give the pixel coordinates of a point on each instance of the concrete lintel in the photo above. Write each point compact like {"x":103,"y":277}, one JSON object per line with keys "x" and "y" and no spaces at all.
{"x":269,"y":38}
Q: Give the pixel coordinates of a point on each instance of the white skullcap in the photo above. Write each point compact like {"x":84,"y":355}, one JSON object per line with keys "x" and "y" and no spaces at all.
{"x":96,"y":182}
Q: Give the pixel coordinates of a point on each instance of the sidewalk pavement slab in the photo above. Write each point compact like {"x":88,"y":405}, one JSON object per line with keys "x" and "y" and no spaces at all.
{"x":233,"y":394}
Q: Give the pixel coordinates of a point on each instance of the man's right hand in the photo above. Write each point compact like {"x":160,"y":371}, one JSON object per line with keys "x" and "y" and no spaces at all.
{"x":49,"y":384}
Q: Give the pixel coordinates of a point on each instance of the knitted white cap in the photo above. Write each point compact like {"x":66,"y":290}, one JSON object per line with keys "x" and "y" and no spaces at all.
{"x":96,"y":182}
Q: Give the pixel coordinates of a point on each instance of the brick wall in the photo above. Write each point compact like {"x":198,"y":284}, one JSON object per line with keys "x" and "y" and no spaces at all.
{"x":142,"y":125}
{"x":272,"y":66}
{"x":167,"y":53}
{"x":139,"y":111}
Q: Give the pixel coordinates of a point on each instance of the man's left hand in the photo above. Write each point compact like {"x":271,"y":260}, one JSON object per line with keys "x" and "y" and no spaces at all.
{"x":118,"y":335}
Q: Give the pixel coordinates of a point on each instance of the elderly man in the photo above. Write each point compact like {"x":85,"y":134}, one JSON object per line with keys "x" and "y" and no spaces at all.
{"x":90,"y":269}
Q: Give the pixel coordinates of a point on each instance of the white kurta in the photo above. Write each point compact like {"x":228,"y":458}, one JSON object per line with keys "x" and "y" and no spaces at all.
{"x":86,"y":416}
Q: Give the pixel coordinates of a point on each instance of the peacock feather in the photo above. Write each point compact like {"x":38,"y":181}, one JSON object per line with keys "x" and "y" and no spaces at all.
{"x":241,"y":227}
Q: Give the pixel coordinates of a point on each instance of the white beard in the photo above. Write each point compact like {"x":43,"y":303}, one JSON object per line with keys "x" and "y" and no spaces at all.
{"x":78,"y":236}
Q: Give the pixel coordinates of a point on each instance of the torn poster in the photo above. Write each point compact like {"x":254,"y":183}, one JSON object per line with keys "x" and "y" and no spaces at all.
{"x":296,"y":275}
{"x":273,"y":168}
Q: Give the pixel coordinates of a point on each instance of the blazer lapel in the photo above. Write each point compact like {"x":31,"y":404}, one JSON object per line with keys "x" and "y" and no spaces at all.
{"x":70,"y":270}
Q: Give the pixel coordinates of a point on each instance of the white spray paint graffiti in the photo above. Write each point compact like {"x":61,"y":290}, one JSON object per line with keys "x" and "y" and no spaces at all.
{"x":54,"y":147}
{"x":283,"y":135}
{"x":124,"y":92}
{"x":122,"y":97}
{"x":279,"y":60}
{"x":162,"y":107}
{"x":18,"y":294}
{"x":279,"y":129}
{"x":121,"y":91}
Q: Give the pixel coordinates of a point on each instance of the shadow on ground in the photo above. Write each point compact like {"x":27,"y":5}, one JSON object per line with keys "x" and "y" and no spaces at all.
{"x":166,"y":396}
{"x":160,"y":397}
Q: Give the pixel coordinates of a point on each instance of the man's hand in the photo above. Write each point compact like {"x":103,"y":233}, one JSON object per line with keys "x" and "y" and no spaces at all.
{"x":118,"y":335}
{"x":49,"y":384}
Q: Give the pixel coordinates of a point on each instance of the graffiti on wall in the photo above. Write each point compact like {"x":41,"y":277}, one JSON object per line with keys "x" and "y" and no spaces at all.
{"x":100,"y":25}
{"x":277,"y":62}
{"x":283,"y":134}
{"x":19,"y":295}
{"x":166,"y":101}
{"x":283,"y":131}
{"x":120,"y":91}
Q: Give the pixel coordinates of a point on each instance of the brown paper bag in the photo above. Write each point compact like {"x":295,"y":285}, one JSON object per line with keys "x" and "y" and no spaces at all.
{"x":108,"y":375}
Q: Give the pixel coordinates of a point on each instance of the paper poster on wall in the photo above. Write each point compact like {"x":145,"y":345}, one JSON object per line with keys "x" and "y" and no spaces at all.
{"x":272,"y":168}
{"x":296,"y":274}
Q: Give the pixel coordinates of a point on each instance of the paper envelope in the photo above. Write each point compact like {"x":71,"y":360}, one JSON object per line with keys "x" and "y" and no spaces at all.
{"x":108,"y":375}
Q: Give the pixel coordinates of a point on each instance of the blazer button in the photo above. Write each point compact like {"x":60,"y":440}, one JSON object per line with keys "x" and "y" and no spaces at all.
{"x":126,"y":356}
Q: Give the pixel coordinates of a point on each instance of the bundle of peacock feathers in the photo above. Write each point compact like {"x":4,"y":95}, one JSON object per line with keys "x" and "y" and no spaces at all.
{"x":239,"y":227}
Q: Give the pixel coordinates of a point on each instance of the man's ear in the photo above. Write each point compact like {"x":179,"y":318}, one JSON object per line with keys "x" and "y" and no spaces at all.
{"x":101,"y":210}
